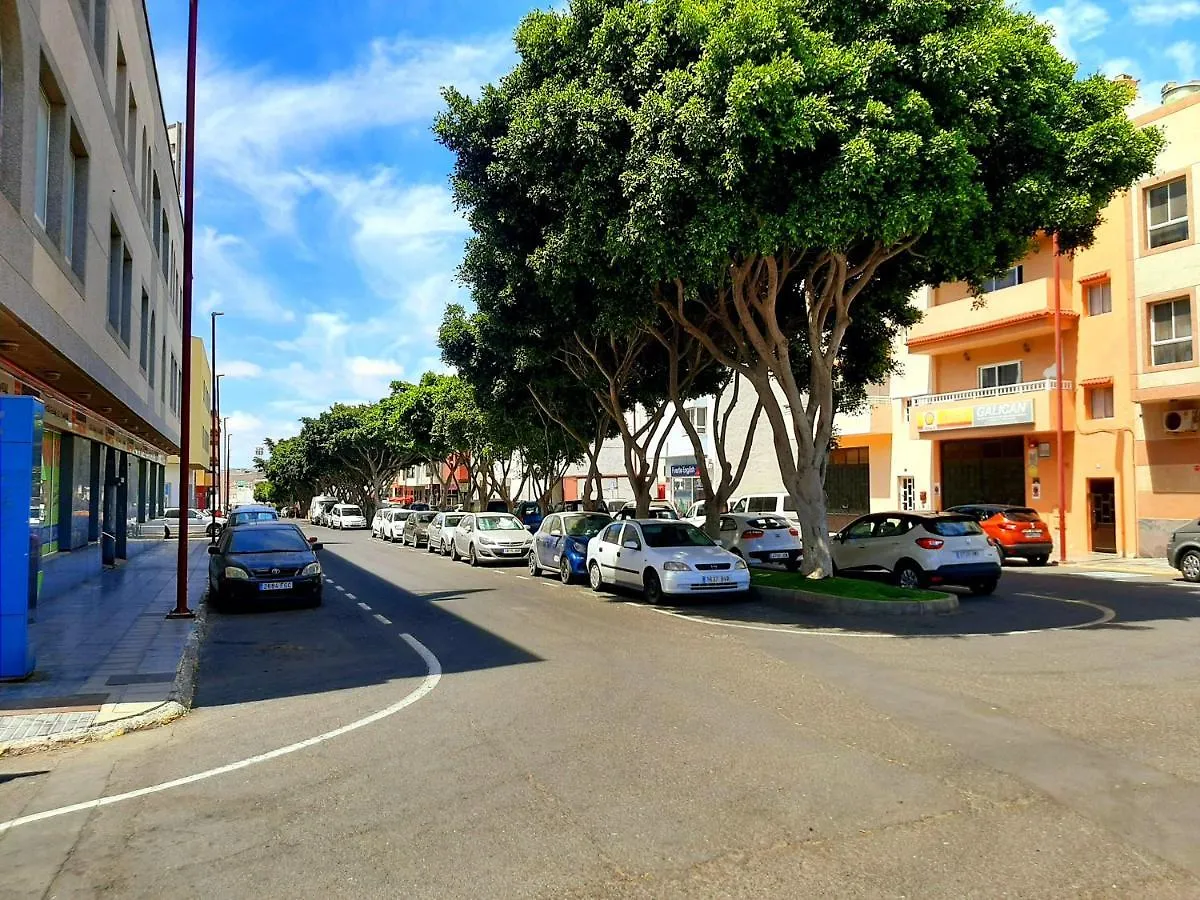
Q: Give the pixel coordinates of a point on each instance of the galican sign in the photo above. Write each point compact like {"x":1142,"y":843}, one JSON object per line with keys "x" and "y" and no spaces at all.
{"x":981,"y":415}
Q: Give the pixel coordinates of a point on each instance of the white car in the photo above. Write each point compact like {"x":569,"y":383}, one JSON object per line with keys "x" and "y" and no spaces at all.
{"x":695,"y":513}
{"x":440,"y":531}
{"x":388,"y":523}
{"x":658,"y":510}
{"x":199,"y":521}
{"x":915,"y":550}
{"x":663,"y":558}
{"x":490,"y":537}
{"x":761,"y":539}
{"x":779,"y":504}
{"x":346,"y":515}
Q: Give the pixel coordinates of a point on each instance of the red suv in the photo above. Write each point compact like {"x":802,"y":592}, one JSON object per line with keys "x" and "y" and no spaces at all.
{"x":1014,"y":530}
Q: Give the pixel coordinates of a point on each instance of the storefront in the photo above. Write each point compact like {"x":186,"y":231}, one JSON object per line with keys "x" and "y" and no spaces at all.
{"x":684,"y":485}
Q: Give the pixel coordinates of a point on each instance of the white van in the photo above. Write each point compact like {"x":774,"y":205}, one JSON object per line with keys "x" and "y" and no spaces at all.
{"x":346,"y":515}
{"x":779,"y":504}
{"x":320,"y":506}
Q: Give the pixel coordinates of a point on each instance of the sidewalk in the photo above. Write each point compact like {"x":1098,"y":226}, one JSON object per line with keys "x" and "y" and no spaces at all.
{"x":108,"y":659}
{"x":1130,"y":565}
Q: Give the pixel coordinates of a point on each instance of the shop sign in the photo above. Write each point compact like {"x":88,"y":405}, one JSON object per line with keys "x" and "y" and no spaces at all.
{"x":981,"y":415}
{"x":685,"y":470}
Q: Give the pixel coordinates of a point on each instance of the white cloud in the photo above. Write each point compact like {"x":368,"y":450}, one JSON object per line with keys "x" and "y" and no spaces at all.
{"x":1183,"y":54}
{"x":1076,"y":21}
{"x":1149,"y":91}
{"x":1164,"y":12}
{"x":239,"y":368}
{"x":225,"y":270}
{"x":247,"y":430}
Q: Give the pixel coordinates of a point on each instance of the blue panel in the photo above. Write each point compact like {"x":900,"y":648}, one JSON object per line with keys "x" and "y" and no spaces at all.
{"x":20,"y":559}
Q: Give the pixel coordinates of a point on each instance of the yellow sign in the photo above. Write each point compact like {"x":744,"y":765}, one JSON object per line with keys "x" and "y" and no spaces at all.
{"x":934,"y":419}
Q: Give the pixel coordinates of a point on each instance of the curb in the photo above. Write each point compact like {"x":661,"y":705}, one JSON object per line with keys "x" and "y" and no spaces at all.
{"x":788,"y":598}
{"x":177,"y":704}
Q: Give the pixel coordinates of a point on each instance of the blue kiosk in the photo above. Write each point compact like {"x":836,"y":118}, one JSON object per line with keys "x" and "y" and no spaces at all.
{"x":20,"y":529}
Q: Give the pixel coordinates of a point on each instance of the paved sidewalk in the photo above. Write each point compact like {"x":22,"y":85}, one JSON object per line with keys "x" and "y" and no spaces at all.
{"x":1131,"y":565}
{"x":108,"y":659}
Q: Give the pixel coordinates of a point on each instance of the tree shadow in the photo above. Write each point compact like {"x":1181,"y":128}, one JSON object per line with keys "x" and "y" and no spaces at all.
{"x":13,"y":776}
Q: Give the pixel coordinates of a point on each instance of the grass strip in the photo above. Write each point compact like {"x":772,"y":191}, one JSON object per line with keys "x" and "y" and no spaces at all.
{"x":852,"y":588}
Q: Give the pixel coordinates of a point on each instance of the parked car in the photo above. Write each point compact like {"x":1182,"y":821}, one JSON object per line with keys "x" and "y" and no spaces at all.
{"x":658,"y":510}
{"x":779,"y":504}
{"x":415,"y":530}
{"x":200,"y":522}
{"x":663,"y":559}
{"x":1183,"y":551}
{"x":383,"y":514}
{"x":1015,"y":530}
{"x":252,"y":563}
{"x":696,"y":513}
{"x":529,"y":513}
{"x":346,"y":515}
{"x":570,"y":506}
{"x":420,"y":506}
{"x":488,"y":537}
{"x":319,"y":509}
{"x":388,"y":522}
{"x":560,"y":543}
{"x":496,"y":506}
{"x":439,"y":531}
{"x":252,"y":512}
{"x":761,"y":538}
{"x":915,"y":550}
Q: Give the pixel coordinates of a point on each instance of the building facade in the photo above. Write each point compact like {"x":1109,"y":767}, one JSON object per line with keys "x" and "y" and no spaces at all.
{"x":198,"y":487}
{"x":90,"y":229}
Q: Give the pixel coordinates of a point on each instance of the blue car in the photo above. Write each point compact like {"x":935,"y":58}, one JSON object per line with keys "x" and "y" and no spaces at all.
{"x":561,"y":543}
{"x":529,"y":513}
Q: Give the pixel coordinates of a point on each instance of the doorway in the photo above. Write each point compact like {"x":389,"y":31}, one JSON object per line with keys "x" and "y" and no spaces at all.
{"x":989,"y":470}
{"x":1102,"y":514}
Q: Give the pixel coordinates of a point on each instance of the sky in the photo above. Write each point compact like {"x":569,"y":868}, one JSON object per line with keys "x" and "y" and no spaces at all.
{"x":325,"y":229}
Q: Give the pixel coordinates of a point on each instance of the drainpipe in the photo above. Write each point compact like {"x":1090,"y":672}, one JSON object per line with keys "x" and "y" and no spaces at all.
{"x":1058,"y":395}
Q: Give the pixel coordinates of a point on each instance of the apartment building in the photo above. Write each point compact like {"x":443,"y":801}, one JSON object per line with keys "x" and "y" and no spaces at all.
{"x":90,"y":229}
{"x":198,"y":488}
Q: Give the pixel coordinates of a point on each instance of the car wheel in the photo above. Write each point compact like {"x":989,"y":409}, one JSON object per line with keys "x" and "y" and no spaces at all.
{"x":534,"y":569}
{"x":453,"y":551}
{"x":474,"y":560}
{"x":1000,"y":552}
{"x":429,"y":546}
{"x":1039,"y":560}
{"x":985,"y":587}
{"x":652,"y":588}
{"x":1189,"y":565}
{"x":909,"y":575}
{"x":595,"y":577}
{"x":565,"y":575}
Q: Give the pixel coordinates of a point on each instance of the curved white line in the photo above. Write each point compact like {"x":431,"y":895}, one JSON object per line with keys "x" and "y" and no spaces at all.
{"x":1106,"y":616}
{"x":431,"y":680}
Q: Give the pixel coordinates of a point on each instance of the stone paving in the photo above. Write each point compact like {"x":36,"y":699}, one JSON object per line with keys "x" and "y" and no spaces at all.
{"x":105,"y":650}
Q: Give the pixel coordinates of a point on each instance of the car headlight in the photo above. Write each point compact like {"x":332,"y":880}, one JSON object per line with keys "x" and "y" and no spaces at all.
{"x":577,"y":547}
{"x":740,"y":564}
{"x":236,"y":574}
{"x":313,"y":568}
{"x":486,"y":540}
{"x":673,"y":566}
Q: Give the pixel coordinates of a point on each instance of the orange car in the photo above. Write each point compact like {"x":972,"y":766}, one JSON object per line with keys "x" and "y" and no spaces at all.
{"x":1014,"y":530}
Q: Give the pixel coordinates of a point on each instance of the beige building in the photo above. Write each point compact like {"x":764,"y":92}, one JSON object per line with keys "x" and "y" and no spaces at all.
{"x":200,"y":470}
{"x":90,"y":283}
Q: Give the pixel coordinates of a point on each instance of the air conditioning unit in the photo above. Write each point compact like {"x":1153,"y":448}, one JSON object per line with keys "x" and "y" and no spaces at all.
{"x":1181,"y":421}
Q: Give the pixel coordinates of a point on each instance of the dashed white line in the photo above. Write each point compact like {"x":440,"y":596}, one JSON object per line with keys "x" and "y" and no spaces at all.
{"x":364,"y":607}
{"x":340,"y":588}
{"x":350,"y":596}
{"x":523,"y":577}
{"x":433,"y":676}
{"x":383,"y":620}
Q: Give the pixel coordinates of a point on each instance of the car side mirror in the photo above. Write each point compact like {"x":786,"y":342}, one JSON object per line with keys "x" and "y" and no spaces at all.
{"x":317,"y":545}
{"x":212,"y":550}
{"x":632,"y":545}
{"x":312,"y":540}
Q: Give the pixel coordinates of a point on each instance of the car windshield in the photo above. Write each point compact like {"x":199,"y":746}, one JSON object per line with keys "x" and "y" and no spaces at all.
{"x":267,"y":540}
{"x":499,"y":523}
{"x":424,"y":517}
{"x":451,"y":521}
{"x":585,"y":526}
{"x":1021,"y":514}
{"x":768,"y":523}
{"x":958,"y":526}
{"x":675,"y":534}
{"x":259,"y":515}
{"x":349,"y":511}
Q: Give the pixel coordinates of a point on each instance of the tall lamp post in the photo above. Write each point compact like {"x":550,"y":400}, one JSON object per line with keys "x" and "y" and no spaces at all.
{"x":217,"y":436}
{"x":213,"y":436}
{"x":227,"y":435}
{"x":181,"y":610}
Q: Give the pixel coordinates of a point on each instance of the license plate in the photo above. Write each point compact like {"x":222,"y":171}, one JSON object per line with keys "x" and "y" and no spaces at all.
{"x":275,"y":586}
{"x":779,"y":556}
{"x":968,"y":554}
{"x":1033,"y":534}
{"x":717,"y":579}
{"x":512,"y":552}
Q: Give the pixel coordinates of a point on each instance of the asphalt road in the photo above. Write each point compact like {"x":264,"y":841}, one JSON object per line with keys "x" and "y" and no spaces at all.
{"x":558,"y":743}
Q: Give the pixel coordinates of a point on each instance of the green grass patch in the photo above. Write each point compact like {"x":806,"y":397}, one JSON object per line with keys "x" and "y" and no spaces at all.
{"x":853,"y":588}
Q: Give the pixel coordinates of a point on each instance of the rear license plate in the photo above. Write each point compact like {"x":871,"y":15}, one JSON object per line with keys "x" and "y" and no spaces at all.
{"x":968,"y":554}
{"x":717,"y":579}
{"x":275,"y":586}
{"x":779,"y":556}
{"x":512,"y":552}
{"x":1033,"y":533}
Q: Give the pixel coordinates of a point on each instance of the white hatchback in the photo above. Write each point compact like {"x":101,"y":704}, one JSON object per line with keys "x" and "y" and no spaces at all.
{"x":758,"y":538}
{"x":490,"y":537}
{"x":663,"y":558}
{"x":915,"y":550}
{"x":346,"y":515}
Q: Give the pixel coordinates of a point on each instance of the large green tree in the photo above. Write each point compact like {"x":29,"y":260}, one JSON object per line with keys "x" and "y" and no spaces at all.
{"x":769,"y":172}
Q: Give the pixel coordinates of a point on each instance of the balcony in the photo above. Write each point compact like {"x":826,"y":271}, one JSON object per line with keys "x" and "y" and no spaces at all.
{"x":1014,"y":313}
{"x":1010,"y":408}
{"x":875,"y":417}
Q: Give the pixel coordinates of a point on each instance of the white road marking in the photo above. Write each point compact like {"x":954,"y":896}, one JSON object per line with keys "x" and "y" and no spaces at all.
{"x":364,"y":607}
{"x":1114,"y":576}
{"x":523,"y":577}
{"x":432,"y":677}
{"x":383,"y":620}
{"x":340,"y":588}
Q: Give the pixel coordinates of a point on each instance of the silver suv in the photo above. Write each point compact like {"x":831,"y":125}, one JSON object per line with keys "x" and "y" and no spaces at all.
{"x":1183,"y":551}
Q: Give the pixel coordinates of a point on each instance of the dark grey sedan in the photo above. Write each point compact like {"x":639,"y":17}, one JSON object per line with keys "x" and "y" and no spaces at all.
{"x":416,"y":528}
{"x":1183,"y":551}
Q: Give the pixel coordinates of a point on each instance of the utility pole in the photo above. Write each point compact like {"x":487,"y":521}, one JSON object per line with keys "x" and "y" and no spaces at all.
{"x":225,"y":431}
{"x":213,"y":437}
{"x":181,"y":610}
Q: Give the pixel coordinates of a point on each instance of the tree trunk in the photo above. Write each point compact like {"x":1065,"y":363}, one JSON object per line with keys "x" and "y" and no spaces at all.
{"x":808,"y":493}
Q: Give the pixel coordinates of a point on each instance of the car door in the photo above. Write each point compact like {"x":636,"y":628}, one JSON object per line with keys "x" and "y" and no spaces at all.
{"x":197,"y":522}
{"x":631,"y":556}
{"x":852,"y":548}
{"x":606,"y":551}
{"x":891,"y":542}
{"x":547,"y":539}
{"x":462,"y":537}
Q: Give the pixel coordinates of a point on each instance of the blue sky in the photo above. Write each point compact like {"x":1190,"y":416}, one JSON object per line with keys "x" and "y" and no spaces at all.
{"x":325,"y":230}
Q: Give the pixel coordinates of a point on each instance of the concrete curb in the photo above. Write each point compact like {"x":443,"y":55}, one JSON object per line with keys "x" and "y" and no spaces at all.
{"x":788,"y":598}
{"x":178,"y":703}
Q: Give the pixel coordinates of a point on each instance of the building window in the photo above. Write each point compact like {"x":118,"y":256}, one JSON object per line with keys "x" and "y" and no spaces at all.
{"x":122,"y":91}
{"x":167,"y":250}
{"x":156,"y":212}
{"x":69,"y":206}
{"x":999,"y":375}
{"x":115,"y":255}
{"x":699,"y":417}
{"x":1099,"y":298}
{"x":1166,"y":213}
{"x":150,"y":369}
{"x":1011,"y":278}
{"x":1171,"y":332}
{"x":162,"y":356}
{"x":174,"y":384}
{"x":126,"y":298}
{"x":131,"y":132}
{"x":41,"y":187}
{"x":908,"y":492}
{"x":100,"y":31}
{"x":146,"y":341}
{"x":1100,"y":402}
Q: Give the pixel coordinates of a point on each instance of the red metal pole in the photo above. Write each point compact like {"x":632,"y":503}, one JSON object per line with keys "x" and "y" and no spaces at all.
{"x":1058,"y":393}
{"x":181,"y":610}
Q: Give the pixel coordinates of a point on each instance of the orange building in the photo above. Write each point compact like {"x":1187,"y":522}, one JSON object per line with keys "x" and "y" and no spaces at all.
{"x":1123,"y":316}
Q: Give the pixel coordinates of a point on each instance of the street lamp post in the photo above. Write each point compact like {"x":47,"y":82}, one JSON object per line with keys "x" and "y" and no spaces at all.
{"x":227,"y":435}
{"x":181,"y":610}
{"x":213,"y":435}
{"x":217,"y":435}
